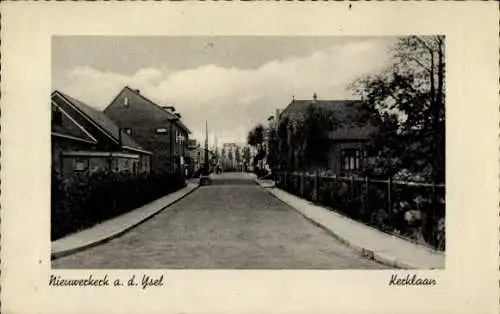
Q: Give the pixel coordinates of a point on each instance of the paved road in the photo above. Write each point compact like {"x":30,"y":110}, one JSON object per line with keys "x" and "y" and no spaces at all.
{"x":232,"y":224}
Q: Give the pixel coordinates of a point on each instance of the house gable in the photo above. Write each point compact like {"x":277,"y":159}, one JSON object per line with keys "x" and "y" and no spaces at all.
{"x":150,"y":125}
{"x":133,"y":109}
{"x":96,"y":123}
{"x":64,"y":126}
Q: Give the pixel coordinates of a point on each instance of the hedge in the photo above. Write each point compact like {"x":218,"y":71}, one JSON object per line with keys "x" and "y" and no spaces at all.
{"x":87,"y":199}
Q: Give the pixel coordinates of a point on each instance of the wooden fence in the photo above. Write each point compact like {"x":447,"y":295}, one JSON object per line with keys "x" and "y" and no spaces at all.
{"x":415,"y":211}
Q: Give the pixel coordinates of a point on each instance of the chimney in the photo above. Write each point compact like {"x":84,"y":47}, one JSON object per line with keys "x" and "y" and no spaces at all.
{"x":137,"y":91}
{"x":315,"y":98}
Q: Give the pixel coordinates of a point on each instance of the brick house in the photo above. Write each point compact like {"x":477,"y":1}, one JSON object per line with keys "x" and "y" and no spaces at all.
{"x":85,"y":140}
{"x":348,"y":140}
{"x":158,"y":129}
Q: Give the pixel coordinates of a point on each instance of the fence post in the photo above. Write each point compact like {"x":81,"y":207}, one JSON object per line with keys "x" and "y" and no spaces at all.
{"x":433,"y":216}
{"x":367,"y":195}
{"x":315,"y":188}
{"x":352,"y":187}
{"x":302,"y":184}
{"x":334,"y":185}
{"x":389,"y":199}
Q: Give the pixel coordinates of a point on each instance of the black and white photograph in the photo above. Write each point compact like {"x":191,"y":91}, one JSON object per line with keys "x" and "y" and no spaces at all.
{"x":248,"y":152}
{"x":249,"y":157}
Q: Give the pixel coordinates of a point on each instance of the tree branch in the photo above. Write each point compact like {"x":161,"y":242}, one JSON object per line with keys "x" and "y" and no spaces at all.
{"x":419,"y":63}
{"x":421,"y":41}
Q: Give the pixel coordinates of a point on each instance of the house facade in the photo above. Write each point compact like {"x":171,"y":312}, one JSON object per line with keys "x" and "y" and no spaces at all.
{"x":197,"y":154}
{"x":347,"y":140}
{"x":84,"y":140}
{"x":158,"y":129}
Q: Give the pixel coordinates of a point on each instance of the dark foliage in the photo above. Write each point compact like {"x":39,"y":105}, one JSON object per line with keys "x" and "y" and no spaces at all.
{"x":300,"y":143}
{"x":256,"y":136}
{"x":85,"y":200}
{"x":273,"y":157}
{"x":410,"y":94}
{"x":380,"y":204}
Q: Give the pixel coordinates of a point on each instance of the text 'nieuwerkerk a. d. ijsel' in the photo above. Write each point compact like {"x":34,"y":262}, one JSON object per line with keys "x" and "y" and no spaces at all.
{"x":104,"y":281}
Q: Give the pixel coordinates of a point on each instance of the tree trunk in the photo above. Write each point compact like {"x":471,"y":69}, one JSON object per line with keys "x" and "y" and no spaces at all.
{"x":435,"y":126}
{"x":439,"y":104}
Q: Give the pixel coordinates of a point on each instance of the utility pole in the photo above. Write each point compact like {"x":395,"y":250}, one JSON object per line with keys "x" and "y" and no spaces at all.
{"x":206,"y":165}
{"x":216,"y":149}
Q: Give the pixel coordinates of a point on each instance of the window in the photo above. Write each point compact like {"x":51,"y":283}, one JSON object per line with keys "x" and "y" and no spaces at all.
{"x":126,"y":164}
{"x":125,"y":102}
{"x":127,"y":131}
{"x":161,"y":130}
{"x":81,"y":164}
{"x":135,"y":167}
{"x":351,"y":159}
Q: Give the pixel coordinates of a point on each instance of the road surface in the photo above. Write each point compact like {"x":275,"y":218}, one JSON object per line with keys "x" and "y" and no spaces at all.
{"x":232,"y":224}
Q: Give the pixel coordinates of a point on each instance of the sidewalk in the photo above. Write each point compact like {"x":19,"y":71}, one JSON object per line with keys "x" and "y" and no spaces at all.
{"x":370,"y":242}
{"x":115,"y":227}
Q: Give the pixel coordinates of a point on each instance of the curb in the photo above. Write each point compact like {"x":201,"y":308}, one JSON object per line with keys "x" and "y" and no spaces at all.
{"x":365,"y":252}
{"x":70,"y":251}
{"x":258,"y":182}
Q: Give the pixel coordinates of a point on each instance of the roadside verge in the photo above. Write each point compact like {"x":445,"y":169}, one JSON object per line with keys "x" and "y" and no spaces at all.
{"x":117,"y":226}
{"x":370,"y":242}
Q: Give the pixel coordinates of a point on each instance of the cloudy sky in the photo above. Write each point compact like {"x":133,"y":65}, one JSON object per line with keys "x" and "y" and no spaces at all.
{"x":233,"y":82}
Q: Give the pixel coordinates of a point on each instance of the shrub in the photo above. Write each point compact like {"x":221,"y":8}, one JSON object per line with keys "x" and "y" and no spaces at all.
{"x":87,"y":199}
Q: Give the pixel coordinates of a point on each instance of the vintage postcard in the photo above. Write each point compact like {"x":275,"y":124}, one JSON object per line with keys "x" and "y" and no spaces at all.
{"x":250,"y":157}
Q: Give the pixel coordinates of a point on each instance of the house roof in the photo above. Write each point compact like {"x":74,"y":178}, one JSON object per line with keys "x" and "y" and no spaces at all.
{"x":353,"y":118}
{"x":103,"y":122}
{"x":170,"y":115}
{"x":69,"y":128}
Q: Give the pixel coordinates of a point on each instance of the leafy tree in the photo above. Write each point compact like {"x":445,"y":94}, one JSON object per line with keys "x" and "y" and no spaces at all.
{"x":409,"y":94}
{"x":284,"y":143}
{"x":246,"y":154}
{"x":313,"y":137}
{"x":301,"y":141}
{"x":255,"y":137}
{"x":273,"y":151}
{"x":237,"y":155}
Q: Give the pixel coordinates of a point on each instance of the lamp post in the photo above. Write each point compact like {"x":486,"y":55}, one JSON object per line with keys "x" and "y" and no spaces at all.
{"x":206,"y":166}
